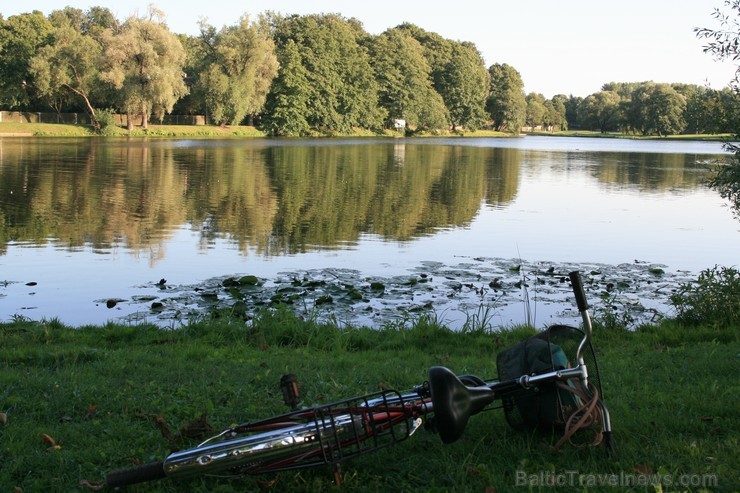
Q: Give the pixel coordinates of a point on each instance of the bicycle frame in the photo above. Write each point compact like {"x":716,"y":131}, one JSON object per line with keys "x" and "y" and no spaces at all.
{"x":332,"y":433}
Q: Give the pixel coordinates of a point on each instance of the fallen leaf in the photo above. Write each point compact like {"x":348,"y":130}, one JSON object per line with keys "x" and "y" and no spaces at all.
{"x":266,"y":484}
{"x":3,"y":418}
{"x":92,"y":486}
{"x":48,"y":440}
{"x":161,"y":424}
{"x":198,"y":427}
{"x":642,"y":469}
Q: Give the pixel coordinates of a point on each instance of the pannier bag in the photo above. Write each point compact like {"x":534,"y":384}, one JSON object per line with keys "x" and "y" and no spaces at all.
{"x":562,"y":405}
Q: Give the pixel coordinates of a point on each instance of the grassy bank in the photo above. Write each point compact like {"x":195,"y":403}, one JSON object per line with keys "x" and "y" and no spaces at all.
{"x":188,"y":131}
{"x":211,"y":131}
{"x":66,"y":130}
{"x":620,"y":135}
{"x":76,"y":403}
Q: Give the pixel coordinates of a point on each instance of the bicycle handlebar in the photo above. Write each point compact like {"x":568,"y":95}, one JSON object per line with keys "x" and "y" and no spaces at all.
{"x":580,"y":294}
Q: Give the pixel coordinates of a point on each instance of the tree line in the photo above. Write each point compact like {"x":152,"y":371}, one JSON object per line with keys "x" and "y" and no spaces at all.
{"x":323,"y":73}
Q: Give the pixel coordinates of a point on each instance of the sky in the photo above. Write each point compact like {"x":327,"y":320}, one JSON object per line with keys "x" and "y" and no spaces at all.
{"x":558,"y":46}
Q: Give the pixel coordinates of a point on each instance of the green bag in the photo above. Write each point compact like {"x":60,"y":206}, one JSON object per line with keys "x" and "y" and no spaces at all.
{"x":549,"y":406}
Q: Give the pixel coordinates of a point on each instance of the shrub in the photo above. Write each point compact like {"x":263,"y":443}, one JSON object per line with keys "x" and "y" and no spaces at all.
{"x":712,"y":300}
{"x":106,"y":120}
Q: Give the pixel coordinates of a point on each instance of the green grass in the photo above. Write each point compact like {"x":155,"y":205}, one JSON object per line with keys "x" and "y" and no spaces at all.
{"x":67,"y":130}
{"x":673,"y":393}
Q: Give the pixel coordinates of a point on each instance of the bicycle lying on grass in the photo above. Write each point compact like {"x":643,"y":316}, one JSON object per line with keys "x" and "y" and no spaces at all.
{"x":549,"y":380}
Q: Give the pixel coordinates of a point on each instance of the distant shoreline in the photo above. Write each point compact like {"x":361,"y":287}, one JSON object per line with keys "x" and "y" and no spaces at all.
{"x":8,"y":129}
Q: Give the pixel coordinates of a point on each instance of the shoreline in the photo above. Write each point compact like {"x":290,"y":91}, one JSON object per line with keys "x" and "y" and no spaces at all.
{"x":17,"y":130}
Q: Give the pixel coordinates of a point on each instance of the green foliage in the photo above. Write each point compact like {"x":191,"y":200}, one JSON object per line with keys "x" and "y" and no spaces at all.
{"x":144,"y":60}
{"x":286,"y":109}
{"x":68,"y":66}
{"x":334,"y":79}
{"x":726,"y":180}
{"x":600,"y":111}
{"x":106,"y":121}
{"x":724,"y":43}
{"x":713,"y":300}
{"x":404,"y":80}
{"x":242,"y":67}
{"x":20,"y":37}
{"x":506,"y":103}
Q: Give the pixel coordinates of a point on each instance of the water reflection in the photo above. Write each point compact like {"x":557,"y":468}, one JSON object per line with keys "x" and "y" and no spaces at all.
{"x":282,"y":198}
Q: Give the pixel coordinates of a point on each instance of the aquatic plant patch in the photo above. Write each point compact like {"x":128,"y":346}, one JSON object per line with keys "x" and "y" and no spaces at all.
{"x":510,"y":291}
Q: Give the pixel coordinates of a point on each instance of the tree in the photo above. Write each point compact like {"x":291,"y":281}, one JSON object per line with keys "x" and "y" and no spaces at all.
{"x":600,"y":111}
{"x":20,"y":37}
{"x":287,"y":105}
{"x":342,"y":90}
{"x":405,"y":88}
{"x":458,"y":74}
{"x":464,"y":84}
{"x":657,"y":109}
{"x":69,"y":63}
{"x":506,"y":103}
{"x":243,"y":65}
{"x":572,"y":110}
{"x":724,"y":44}
{"x":144,"y":61}
{"x":535,"y":109}
{"x":555,"y":113}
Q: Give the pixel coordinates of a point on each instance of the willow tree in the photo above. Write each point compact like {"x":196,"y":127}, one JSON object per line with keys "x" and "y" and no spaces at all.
{"x":69,"y":64}
{"x":237,"y":80}
{"x":144,"y":61}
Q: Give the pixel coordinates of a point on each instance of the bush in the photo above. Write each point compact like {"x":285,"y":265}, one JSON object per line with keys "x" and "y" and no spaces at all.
{"x":712,"y":300}
{"x":106,"y":120}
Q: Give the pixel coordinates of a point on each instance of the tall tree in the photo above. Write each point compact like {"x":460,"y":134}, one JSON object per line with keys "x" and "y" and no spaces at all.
{"x":404,"y":81}
{"x":601,"y":111}
{"x":243,"y":66}
{"x":464,"y":84}
{"x":20,"y":37}
{"x":287,"y":105}
{"x":459,"y":75}
{"x":506,"y":104}
{"x":144,"y":61}
{"x":343,"y":93}
{"x":535,"y":109}
{"x":68,"y":64}
{"x":657,"y":109}
{"x":554,"y":114}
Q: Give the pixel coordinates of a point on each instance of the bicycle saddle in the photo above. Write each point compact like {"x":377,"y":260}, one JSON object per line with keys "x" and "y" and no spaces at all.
{"x":454,"y":402}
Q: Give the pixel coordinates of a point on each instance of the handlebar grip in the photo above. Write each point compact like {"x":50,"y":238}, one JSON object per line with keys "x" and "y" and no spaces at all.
{"x":137,"y":474}
{"x":575,"y":280}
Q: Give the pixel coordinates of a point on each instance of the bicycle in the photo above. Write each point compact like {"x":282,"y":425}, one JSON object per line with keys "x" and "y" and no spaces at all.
{"x":332,"y":433}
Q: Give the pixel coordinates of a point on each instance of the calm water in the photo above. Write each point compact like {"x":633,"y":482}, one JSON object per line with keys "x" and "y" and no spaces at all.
{"x":83,"y":221}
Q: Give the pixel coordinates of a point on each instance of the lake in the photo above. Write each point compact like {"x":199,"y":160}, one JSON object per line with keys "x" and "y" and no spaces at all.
{"x":478,"y":230}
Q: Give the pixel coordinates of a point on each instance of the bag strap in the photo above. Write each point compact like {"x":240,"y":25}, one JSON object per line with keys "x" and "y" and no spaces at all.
{"x":587,"y":415}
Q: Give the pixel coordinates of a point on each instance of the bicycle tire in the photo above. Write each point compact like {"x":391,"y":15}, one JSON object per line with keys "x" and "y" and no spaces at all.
{"x":136,"y":474}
